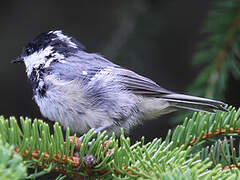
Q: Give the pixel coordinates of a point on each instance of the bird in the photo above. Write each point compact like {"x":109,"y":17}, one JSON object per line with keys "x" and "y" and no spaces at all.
{"x":84,"y":91}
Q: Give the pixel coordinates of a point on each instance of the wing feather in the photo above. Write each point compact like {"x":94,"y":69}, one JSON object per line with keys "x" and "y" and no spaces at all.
{"x":138,"y":84}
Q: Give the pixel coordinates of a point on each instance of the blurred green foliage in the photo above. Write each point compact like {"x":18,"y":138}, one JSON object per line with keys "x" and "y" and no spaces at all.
{"x":218,"y":53}
{"x":11,"y":165}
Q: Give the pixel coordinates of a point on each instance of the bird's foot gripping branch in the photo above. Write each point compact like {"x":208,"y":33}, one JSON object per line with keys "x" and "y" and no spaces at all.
{"x":205,"y":146}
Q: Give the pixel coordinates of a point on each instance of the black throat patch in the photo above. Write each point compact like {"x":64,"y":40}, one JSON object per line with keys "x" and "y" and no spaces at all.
{"x":37,"y":80}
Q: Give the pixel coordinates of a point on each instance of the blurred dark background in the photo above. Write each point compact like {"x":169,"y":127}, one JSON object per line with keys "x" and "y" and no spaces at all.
{"x":155,"y":38}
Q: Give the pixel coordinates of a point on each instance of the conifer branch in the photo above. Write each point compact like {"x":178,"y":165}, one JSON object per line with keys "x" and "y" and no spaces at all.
{"x":195,"y":146}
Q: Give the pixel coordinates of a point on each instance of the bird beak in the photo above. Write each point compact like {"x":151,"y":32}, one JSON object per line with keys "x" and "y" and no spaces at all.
{"x":18,"y":60}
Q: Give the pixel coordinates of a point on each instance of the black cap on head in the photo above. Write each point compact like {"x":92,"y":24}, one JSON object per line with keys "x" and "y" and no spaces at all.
{"x":61,"y":43}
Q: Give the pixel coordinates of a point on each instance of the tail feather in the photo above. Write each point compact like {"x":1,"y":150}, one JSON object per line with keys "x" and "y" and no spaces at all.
{"x":194,"y":103}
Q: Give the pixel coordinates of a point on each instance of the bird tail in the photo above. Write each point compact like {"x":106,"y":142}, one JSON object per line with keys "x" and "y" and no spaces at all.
{"x":194,"y":103}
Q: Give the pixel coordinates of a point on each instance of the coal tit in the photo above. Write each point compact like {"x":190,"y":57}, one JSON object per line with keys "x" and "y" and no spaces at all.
{"x":82,"y":90}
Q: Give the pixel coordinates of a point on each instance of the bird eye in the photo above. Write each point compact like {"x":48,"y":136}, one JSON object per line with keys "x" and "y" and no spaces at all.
{"x":29,"y":50}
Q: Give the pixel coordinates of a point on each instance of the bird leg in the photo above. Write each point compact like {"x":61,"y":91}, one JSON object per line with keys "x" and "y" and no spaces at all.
{"x":97,"y":130}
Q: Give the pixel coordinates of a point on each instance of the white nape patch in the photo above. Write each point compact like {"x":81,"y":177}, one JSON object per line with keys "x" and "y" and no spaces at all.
{"x":84,"y":73}
{"x":65,"y":38}
{"x":39,"y":58}
{"x":57,"y":56}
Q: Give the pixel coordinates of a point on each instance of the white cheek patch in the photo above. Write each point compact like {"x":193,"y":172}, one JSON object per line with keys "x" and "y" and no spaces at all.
{"x":39,"y":58}
{"x":34,"y":60}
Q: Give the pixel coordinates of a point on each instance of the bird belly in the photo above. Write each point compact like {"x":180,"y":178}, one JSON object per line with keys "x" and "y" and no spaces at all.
{"x":66,"y":102}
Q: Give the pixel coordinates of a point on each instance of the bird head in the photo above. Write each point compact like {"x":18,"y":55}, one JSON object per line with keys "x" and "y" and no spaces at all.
{"x":47,"y":48}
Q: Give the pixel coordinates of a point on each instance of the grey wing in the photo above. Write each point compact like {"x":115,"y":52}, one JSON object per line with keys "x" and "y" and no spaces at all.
{"x":146,"y":87}
{"x":82,"y":66}
{"x":130,"y":80}
{"x":89,"y":66}
{"x":138,"y":84}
